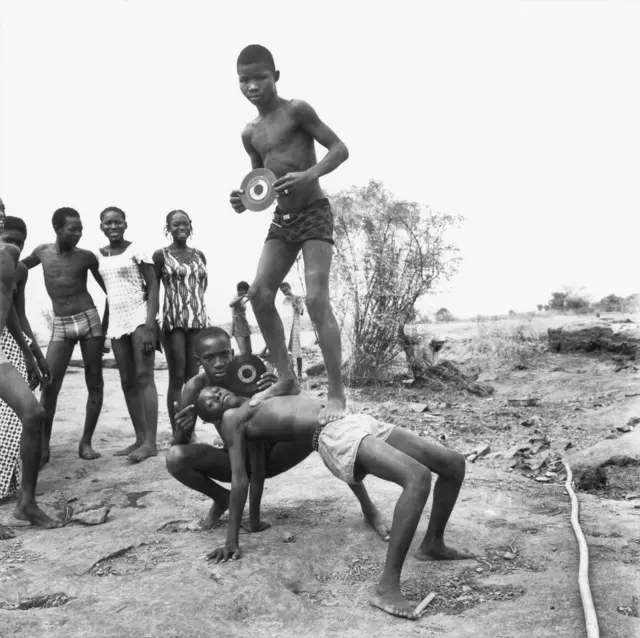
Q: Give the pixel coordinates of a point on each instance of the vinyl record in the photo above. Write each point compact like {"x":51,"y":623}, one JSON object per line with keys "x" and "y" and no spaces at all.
{"x":257,"y":187}
{"x":243,"y":375}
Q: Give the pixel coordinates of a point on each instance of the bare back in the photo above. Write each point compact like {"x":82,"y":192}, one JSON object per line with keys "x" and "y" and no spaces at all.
{"x":65,"y":278}
{"x":284,"y":146}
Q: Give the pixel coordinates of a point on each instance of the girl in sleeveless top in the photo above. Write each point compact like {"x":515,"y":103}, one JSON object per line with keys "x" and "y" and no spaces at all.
{"x":132,"y":308}
{"x":183,"y":272}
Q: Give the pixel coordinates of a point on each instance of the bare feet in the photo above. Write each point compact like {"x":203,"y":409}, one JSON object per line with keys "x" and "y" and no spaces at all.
{"x":212,"y":519}
{"x":6,"y":533}
{"x":143,"y":452}
{"x":45,"y":456}
{"x":437,"y":550}
{"x":282,"y":387}
{"x":333,"y":411}
{"x":85,"y":451}
{"x":34,"y":515}
{"x":394,"y":603}
{"x":252,"y":527}
{"x":129,"y":449}
{"x":377,"y":521}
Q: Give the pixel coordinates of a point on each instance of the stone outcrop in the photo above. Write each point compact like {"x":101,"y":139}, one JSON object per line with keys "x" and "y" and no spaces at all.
{"x":590,"y":336}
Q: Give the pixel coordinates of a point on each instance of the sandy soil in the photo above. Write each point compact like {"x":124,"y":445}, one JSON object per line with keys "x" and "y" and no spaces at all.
{"x":133,"y":576}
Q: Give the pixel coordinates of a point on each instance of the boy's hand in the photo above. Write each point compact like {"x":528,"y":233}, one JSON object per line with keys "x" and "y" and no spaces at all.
{"x":236,"y":202}
{"x":34,"y":376}
{"x":148,"y":339}
{"x":186,"y":418}
{"x":224,"y":554}
{"x":290,"y":182}
{"x":267,"y":380}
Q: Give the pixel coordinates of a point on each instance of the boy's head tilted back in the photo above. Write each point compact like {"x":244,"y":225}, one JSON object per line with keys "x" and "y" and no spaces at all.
{"x":214,"y":352}
{"x":14,"y":232}
{"x":68,"y":226}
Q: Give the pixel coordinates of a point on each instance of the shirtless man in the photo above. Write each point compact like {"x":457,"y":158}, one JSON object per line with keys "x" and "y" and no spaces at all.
{"x":17,"y":394}
{"x":199,"y":466}
{"x":351,"y":448}
{"x":282,"y":139}
{"x":75,"y":320}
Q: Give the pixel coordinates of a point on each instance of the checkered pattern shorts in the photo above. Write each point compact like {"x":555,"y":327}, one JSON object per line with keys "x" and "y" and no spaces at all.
{"x":315,"y":221}
{"x":10,"y":424}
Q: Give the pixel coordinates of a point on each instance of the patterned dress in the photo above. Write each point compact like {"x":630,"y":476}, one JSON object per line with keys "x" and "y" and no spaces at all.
{"x":239,"y":324}
{"x":126,"y":290}
{"x":10,"y":424}
{"x":293,"y":327}
{"x":185,"y":283}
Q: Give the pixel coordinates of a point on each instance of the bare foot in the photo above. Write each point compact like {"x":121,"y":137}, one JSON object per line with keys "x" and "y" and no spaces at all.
{"x":34,"y":515}
{"x":394,"y":603}
{"x":212,"y":519}
{"x":6,"y":533}
{"x":377,"y":521}
{"x":143,"y":452}
{"x":333,"y":411}
{"x":252,"y":528}
{"x":85,"y":451}
{"x":45,"y":456}
{"x":281,"y":388}
{"x":439,"y":551}
{"x":128,"y":450}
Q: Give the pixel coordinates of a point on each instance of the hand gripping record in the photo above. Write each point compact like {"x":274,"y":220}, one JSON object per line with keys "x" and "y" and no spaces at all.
{"x":243,"y":375}
{"x":257,"y":189}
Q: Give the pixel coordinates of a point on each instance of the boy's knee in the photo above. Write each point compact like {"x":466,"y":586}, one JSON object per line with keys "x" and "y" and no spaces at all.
{"x":421,"y":479}
{"x":33,"y":416}
{"x":458,"y":466}
{"x":261,"y":296}
{"x":95,"y":386}
{"x":175,"y":459}
{"x":144,"y":379}
{"x":318,"y":306}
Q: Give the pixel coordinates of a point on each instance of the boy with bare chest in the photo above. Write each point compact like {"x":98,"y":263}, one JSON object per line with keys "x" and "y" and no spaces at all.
{"x":65,"y":268}
{"x":282,"y":139}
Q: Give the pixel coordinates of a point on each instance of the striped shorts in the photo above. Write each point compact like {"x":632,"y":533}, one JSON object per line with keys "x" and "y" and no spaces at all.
{"x":85,"y":325}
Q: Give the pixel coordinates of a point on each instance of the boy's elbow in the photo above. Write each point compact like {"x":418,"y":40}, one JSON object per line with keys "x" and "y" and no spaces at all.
{"x":344,"y":152}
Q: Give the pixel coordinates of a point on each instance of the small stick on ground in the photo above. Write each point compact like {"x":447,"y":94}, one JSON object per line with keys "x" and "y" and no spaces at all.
{"x":418,"y":611}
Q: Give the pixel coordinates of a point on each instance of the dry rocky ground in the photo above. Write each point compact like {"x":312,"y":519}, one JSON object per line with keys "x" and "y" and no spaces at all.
{"x":133,"y":576}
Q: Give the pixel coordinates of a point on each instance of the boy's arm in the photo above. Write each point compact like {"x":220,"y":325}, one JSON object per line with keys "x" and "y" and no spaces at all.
{"x":256,"y":485}
{"x":8,"y":255}
{"x":338,"y":153}
{"x":185,"y":411}
{"x":233,"y":434}
{"x":153,"y":303}
{"x":33,"y":259}
{"x":94,"y":268}
{"x":256,"y":160}
{"x":158,"y":263}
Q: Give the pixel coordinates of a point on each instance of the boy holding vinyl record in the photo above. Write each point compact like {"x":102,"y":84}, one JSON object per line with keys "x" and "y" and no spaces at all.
{"x":281,"y":145}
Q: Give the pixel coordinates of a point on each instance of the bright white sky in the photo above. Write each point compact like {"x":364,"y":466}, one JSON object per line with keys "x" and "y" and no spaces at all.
{"x":521,"y":116}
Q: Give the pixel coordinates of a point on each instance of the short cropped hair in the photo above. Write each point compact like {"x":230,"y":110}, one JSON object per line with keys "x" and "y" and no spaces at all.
{"x":113,"y":209}
{"x":211,"y":332}
{"x":257,"y":54}
{"x":59,"y":218}
{"x":15,"y":223}
{"x":242,"y":285}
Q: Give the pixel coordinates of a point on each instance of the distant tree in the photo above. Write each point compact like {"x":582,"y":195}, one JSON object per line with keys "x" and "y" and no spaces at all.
{"x":389,"y":253}
{"x":611,"y":303}
{"x":576,"y":303}
{"x":512,"y":313}
{"x":547,"y":308}
{"x":557,"y":301}
{"x":444,"y":316}
{"x":632,"y":303}
{"x":540,"y":307}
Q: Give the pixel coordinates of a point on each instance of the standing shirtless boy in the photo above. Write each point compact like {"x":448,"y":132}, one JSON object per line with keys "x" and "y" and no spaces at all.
{"x":76,"y":319}
{"x":17,"y":394}
{"x":282,"y":139}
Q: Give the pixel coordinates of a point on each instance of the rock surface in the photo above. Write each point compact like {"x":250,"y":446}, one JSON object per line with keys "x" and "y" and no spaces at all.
{"x":589,"y":336}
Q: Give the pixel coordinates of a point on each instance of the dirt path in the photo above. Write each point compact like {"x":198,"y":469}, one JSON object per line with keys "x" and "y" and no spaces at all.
{"x":158,"y":584}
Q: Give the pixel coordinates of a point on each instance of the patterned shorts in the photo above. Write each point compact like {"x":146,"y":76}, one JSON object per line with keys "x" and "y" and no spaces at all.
{"x":315,"y":221}
{"x":85,"y":325}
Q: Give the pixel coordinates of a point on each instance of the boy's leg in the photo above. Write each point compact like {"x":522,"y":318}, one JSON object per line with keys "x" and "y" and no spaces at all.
{"x":299,"y":363}
{"x":382,"y":460}
{"x":317,"y":264}
{"x":242,"y":345}
{"x":198,"y":466}
{"x":175,"y":347}
{"x":146,"y":384}
{"x":92,"y":359}
{"x":123,"y":353}
{"x":192,"y":367}
{"x":58,"y":357}
{"x":17,"y":395}
{"x":450,"y":468}
{"x":275,"y":262}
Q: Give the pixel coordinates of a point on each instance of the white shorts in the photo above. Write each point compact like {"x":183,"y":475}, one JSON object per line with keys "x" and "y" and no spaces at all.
{"x":339,"y":441}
